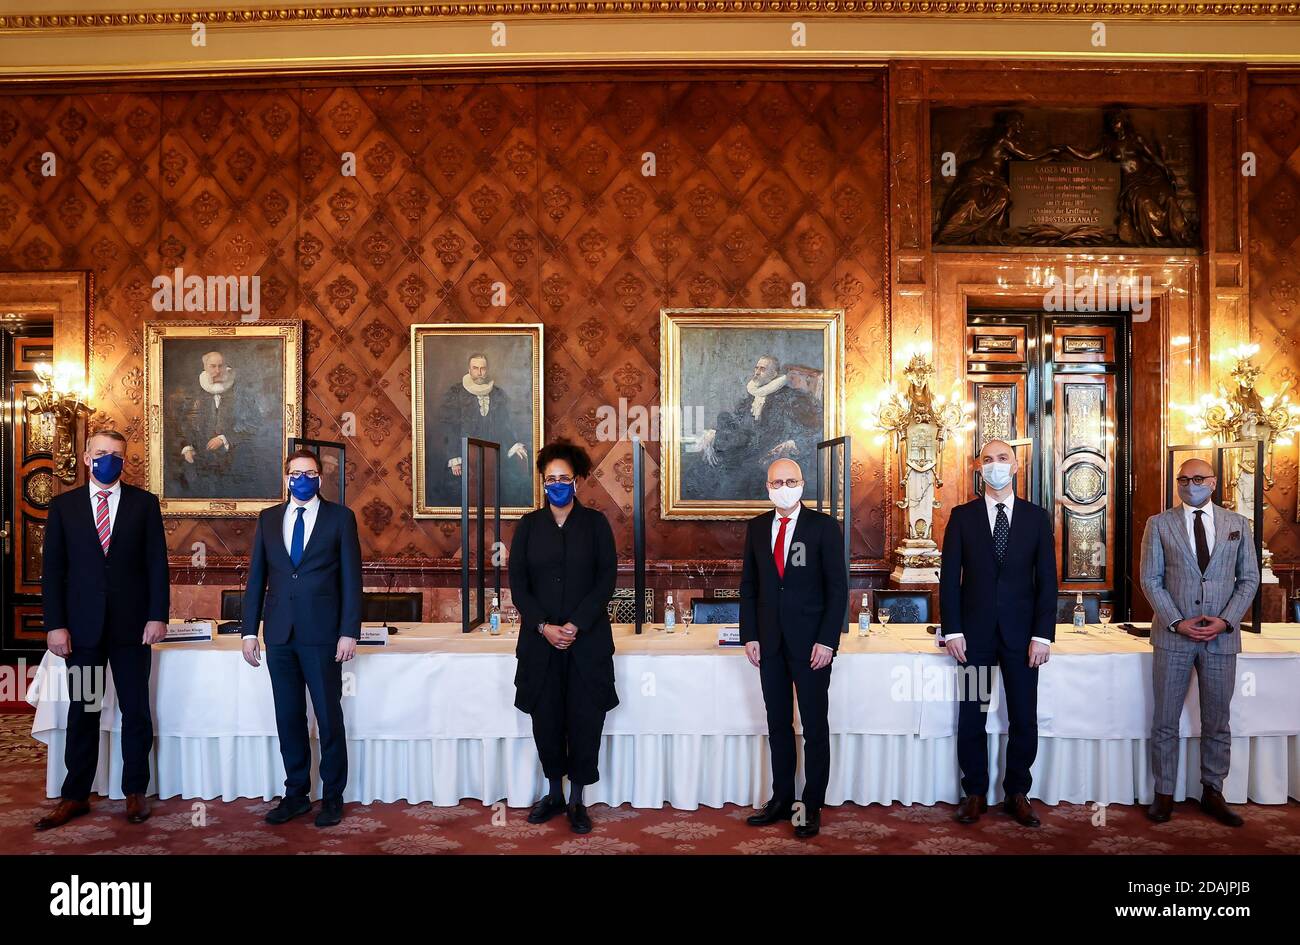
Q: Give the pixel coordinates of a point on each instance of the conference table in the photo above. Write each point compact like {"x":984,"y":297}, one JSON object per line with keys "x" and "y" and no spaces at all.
{"x":430,"y":717}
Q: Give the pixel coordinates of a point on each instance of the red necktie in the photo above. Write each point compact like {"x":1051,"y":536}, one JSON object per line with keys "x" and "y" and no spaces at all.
{"x":778,"y":550}
{"x":102,"y":524}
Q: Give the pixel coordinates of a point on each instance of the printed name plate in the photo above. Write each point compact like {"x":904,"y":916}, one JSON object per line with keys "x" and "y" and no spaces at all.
{"x":190,"y":631}
{"x":373,"y":635}
{"x":729,"y":636}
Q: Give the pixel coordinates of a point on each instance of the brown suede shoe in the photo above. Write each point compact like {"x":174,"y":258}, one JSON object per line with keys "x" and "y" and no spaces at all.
{"x":1162,"y":808}
{"x":1017,"y":805}
{"x":970,"y":808}
{"x":138,"y":808}
{"x":1212,"y":803}
{"x":62,"y":813}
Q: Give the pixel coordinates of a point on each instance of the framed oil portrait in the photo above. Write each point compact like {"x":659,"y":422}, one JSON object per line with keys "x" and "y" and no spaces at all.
{"x":222,"y":400}
{"x":739,"y":389}
{"x":483,"y":381}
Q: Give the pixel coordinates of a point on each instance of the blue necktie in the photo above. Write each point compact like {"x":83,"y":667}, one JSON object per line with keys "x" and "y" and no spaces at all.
{"x":1001,"y":533}
{"x":299,"y":538}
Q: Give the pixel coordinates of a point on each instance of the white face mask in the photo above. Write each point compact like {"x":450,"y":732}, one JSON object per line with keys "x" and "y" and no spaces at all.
{"x":785,"y":497}
{"x":997,"y":475}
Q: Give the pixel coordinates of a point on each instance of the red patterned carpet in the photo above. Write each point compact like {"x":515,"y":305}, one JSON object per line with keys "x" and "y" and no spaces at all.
{"x":180,"y":826}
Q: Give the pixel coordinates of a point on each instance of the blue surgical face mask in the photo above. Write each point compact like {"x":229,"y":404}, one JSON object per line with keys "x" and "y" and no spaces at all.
{"x":997,"y":475}
{"x":106,"y":468}
{"x":1195,"y":495}
{"x":304,"y":488}
{"x":559,"y":493}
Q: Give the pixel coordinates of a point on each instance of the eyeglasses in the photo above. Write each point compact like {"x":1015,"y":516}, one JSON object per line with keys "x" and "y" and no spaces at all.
{"x":300,"y":474}
{"x":778,"y":483}
{"x":1194,"y":480}
{"x":556,"y":480}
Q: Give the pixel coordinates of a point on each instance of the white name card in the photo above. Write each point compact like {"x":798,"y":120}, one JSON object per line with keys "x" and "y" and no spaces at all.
{"x":729,"y":636}
{"x":190,"y":631}
{"x":373,"y":635}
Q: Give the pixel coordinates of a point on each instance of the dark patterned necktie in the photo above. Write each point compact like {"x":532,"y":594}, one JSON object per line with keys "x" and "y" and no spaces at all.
{"x":1001,"y":533}
{"x":1202,"y":546}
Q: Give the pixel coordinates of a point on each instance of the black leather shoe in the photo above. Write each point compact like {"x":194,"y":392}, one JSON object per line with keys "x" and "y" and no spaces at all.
{"x":288,"y":809}
{"x":579,"y":822}
{"x":331,"y":812}
{"x":1017,"y":805}
{"x":545,"y":809}
{"x":1212,"y":803}
{"x":1161,"y":809}
{"x":772,"y":812}
{"x":970,"y":808}
{"x":811,"y":826}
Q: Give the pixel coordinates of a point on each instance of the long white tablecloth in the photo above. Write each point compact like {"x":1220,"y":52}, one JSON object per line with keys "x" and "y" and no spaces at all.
{"x":431,"y":717}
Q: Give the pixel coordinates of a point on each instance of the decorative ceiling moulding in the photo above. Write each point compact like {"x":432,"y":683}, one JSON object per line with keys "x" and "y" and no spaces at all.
{"x":942,"y":9}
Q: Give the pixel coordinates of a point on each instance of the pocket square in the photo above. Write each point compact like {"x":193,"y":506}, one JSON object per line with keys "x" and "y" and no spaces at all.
{"x":1233,"y":536}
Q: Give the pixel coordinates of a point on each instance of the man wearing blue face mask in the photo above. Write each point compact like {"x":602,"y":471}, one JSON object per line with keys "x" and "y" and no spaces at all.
{"x":997,"y":590}
{"x":106,"y":593}
{"x":304,"y":587}
{"x":1200,"y":575}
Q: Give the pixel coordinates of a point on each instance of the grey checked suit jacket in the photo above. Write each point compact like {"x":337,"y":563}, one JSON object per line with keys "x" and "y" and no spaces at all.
{"x":1174,"y":584}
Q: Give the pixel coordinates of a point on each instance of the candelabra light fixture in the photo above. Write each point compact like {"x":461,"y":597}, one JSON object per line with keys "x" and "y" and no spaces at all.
{"x":63,"y":395}
{"x":918,"y":423}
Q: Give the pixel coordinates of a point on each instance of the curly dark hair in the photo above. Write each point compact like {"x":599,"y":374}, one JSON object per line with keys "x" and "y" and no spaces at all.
{"x":571,"y":453}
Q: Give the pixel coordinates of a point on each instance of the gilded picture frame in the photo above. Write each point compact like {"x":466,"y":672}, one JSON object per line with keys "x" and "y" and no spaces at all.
{"x":501,"y":401}
{"x":219,"y":427}
{"x":714,"y":431}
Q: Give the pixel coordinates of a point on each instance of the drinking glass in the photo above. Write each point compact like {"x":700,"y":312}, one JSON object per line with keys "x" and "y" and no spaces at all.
{"x":882,"y":618}
{"x":512,"y":620}
{"x":686,"y":615}
{"x":1104,"y":614}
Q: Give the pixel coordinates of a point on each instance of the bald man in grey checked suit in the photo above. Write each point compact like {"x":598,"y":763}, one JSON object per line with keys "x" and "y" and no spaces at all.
{"x":1200,"y":575}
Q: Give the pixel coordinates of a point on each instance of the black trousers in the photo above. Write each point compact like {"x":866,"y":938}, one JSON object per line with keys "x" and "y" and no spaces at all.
{"x":782,"y":676}
{"x":1020,"y":683}
{"x":131,"y":665}
{"x":566,"y":724}
{"x":297,"y":669}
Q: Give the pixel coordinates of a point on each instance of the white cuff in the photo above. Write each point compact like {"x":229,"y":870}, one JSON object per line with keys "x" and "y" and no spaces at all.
{"x":249,"y":636}
{"x":1041,"y":640}
{"x":954,"y":636}
{"x":224,"y":440}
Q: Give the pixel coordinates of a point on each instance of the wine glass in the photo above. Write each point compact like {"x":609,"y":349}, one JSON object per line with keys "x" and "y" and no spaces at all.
{"x":688,"y":613}
{"x":882,"y":618}
{"x":512,"y":620}
{"x":1104,"y":614}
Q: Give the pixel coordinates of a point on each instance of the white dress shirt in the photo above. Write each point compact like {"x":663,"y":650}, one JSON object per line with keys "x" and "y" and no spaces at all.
{"x":789,"y":530}
{"x":114,"y":498}
{"x":991,"y":506}
{"x":308,"y":521}
{"x":1189,"y":518}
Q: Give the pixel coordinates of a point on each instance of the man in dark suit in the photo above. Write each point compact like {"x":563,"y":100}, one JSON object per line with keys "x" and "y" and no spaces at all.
{"x":794,"y":595}
{"x":997,"y":589}
{"x":304,"y":586}
{"x":105,"y":592}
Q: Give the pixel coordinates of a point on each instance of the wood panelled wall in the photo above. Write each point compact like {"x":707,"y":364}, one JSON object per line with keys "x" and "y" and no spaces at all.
{"x":537,"y":183}
{"x":1274,"y":134}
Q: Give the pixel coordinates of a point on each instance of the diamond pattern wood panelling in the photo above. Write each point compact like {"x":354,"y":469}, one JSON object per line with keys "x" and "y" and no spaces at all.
{"x":535,"y":184}
{"x":1274,"y":134}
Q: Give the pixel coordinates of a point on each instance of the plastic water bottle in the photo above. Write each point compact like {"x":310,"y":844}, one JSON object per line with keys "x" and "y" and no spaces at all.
{"x":864,"y":618}
{"x":670,"y":615}
{"x":494,"y":618}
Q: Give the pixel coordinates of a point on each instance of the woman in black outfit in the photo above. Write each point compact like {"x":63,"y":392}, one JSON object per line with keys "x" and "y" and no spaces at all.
{"x":563,"y":566}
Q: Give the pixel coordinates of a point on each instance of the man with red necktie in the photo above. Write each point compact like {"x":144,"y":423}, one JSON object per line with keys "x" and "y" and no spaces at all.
{"x":794,"y":595}
{"x":106,"y":595}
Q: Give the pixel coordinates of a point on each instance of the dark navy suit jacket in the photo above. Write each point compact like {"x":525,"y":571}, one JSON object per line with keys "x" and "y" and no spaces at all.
{"x":95,"y":595}
{"x":318,"y":601}
{"x":981,"y":598}
{"x":810,"y":603}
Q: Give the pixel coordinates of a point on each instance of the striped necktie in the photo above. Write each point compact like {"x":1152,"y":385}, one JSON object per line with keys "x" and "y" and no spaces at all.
{"x":102,"y":523}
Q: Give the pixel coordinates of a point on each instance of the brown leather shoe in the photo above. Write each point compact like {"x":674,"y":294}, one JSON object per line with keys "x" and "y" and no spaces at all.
{"x":1017,"y":805}
{"x":138,"y":808}
{"x":1162,"y":808}
{"x":62,"y":813}
{"x":970,"y":808}
{"x":1212,"y":803}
